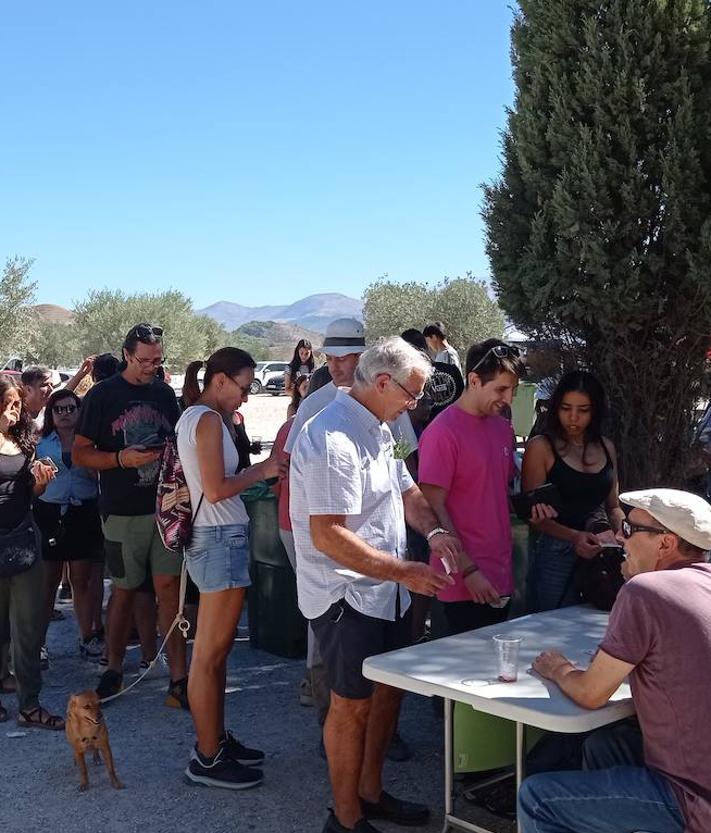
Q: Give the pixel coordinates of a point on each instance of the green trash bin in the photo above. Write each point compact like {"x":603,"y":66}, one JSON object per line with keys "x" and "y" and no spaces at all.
{"x":275,"y":622}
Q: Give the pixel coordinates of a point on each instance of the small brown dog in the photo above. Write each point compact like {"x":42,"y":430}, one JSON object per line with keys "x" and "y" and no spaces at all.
{"x":87,"y":732}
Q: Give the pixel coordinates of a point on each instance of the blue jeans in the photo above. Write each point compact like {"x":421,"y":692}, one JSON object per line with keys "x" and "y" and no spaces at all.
{"x":218,"y":557}
{"x":549,"y":582}
{"x":623,"y":799}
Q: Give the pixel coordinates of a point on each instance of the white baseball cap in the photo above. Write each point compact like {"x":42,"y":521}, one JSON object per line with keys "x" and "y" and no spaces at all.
{"x":343,"y":337}
{"x":685,"y":514}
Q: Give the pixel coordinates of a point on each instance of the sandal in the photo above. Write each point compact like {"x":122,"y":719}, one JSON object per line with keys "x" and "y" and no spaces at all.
{"x":3,"y":713}
{"x":39,"y":718}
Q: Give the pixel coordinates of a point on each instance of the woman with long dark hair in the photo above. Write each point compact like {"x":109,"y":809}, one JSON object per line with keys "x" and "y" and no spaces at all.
{"x":68,"y":517}
{"x":301,"y":364}
{"x":218,"y":557}
{"x":573,"y":455}
{"x":21,"y":570}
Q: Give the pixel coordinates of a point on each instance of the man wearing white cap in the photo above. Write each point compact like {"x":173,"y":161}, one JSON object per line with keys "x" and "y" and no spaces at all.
{"x":659,"y":634}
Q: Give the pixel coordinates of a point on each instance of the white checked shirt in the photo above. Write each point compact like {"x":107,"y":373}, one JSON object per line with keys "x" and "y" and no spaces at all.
{"x":342,"y":464}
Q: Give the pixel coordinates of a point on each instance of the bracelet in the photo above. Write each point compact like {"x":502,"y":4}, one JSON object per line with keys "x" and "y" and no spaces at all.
{"x":118,"y":459}
{"x":470,"y":570}
{"x":438,"y":530}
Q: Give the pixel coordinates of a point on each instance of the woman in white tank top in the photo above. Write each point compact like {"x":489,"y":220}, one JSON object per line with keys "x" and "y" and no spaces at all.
{"x":218,"y":557}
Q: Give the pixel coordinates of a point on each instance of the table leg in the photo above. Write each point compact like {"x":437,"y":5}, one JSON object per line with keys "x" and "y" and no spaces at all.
{"x":520,"y":761}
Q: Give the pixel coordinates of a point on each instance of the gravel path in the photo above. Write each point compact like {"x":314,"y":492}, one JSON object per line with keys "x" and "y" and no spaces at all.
{"x":151,"y":743}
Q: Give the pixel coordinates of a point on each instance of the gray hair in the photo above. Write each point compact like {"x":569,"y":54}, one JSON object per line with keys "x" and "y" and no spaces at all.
{"x":394,"y":356}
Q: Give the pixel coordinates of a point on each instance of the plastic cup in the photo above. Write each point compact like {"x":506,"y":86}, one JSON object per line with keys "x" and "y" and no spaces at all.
{"x":507,"y":648}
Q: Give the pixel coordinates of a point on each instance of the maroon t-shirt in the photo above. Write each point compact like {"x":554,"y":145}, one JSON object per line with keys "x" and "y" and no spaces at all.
{"x":661,"y":624}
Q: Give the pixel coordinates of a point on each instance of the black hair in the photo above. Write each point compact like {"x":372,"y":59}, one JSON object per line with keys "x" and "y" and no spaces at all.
{"x":227,"y":360}
{"x":144,"y":334}
{"x":105,"y":366}
{"x":415,"y":338}
{"x":295,"y":395}
{"x":296,"y":362}
{"x":32,"y":375}
{"x":58,"y":395}
{"x":436,"y":329}
{"x":482,"y":360}
{"x":22,"y":432}
{"x":577,"y":381}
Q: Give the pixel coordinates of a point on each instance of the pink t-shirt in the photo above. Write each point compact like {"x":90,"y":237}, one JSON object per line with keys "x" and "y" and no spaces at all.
{"x":282,"y":488}
{"x":661,"y":624}
{"x":471,"y":457}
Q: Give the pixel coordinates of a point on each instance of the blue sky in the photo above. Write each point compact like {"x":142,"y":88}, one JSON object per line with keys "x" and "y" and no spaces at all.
{"x":251,"y":152}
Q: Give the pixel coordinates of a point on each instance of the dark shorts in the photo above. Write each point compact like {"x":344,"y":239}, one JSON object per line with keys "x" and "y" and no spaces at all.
{"x":346,"y":637}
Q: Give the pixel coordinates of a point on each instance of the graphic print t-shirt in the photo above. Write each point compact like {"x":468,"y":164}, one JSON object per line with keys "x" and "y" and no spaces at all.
{"x":116,"y":414}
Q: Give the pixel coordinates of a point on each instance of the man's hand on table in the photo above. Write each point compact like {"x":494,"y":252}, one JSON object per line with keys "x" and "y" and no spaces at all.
{"x":549,"y":663}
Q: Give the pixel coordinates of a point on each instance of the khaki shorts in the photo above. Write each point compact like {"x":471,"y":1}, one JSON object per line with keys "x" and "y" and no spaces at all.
{"x":133,"y":544}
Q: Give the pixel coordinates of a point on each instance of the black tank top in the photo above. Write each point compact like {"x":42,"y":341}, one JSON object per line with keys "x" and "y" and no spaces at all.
{"x":581,"y":492}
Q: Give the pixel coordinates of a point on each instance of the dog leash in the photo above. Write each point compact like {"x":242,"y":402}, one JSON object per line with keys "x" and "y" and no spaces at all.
{"x":180,"y":622}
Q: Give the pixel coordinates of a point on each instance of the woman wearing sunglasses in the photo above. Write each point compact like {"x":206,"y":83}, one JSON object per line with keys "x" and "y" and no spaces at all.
{"x":68,"y":517}
{"x":573,"y":455}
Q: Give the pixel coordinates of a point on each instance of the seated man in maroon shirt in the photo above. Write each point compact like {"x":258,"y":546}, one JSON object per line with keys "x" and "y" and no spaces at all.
{"x":659,"y":634}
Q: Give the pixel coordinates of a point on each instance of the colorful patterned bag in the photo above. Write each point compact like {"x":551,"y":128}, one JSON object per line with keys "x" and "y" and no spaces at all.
{"x":174,"y":514}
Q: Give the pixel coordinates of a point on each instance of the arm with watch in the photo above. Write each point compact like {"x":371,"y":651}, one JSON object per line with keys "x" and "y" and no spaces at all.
{"x":478,"y":585}
{"x":442,"y":541}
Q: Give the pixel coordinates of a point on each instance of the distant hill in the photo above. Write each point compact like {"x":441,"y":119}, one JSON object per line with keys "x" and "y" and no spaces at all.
{"x":278,"y":338}
{"x":314,"y":312}
{"x":51,"y":312}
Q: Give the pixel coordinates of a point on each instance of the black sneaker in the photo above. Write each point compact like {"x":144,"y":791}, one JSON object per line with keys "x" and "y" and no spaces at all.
{"x":236,"y":751}
{"x":220,"y":771}
{"x":389,"y":808}
{"x":334,"y":826}
{"x":110,"y":683}
{"x":177,"y":697}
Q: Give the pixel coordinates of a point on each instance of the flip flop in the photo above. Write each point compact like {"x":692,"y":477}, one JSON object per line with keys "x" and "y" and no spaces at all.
{"x":39,"y":718}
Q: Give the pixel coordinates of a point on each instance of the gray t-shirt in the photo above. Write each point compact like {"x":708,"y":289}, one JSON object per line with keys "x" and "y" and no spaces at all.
{"x":661,"y":623}
{"x":448,"y":356}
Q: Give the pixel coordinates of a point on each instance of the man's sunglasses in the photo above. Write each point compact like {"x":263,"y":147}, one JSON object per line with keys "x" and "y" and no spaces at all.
{"x":501,"y":351}
{"x":63,"y":409}
{"x":628,"y":529}
{"x":146,"y":331}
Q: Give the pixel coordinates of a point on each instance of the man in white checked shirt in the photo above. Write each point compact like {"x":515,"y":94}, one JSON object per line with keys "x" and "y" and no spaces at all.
{"x":349,"y":501}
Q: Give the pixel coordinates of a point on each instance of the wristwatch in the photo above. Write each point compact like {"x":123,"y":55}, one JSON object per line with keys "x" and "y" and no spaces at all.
{"x":438,"y":530}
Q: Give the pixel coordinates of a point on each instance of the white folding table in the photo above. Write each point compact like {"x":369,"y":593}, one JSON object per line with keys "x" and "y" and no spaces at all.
{"x":440,"y":667}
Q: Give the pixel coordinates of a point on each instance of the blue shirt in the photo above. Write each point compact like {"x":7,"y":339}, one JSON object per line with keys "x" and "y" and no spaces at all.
{"x":71,"y":485}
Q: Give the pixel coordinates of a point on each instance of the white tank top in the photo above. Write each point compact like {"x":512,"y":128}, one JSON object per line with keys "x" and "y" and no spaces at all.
{"x":228,"y":511}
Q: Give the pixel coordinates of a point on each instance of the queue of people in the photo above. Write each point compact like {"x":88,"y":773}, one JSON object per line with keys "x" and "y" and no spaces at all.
{"x":372,"y":547}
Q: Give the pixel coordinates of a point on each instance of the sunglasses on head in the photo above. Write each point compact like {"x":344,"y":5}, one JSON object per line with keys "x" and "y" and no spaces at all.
{"x":63,"y":409}
{"x":501,"y":351}
{"x":145,"y":331}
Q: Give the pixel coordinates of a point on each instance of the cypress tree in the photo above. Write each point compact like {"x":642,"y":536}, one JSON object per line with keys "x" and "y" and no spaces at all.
{"x":599,"y":227}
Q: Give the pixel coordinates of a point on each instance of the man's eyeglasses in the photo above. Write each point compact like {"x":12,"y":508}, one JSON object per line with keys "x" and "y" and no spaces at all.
{"x":412,"y":398}
{"x":628,"y":529}
{"x":501,"y":351}
{"x":149,"y":362}
{"x":146,"y":331}
{"x":63,"y":409}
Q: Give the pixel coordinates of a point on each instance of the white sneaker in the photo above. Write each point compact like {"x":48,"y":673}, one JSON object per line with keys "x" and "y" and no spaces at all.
{"x":159,"y":669}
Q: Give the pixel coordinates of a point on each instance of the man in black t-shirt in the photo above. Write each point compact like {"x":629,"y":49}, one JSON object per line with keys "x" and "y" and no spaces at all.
{"x":123,"y":425}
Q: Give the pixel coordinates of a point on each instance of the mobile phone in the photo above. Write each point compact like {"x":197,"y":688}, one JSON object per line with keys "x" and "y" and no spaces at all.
{"x":48,"y":461}
{"x":523,"y":503}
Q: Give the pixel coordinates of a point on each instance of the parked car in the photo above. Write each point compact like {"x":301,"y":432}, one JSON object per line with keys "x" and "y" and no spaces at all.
{"x":264,"y":371}
{"x":275,"y":385}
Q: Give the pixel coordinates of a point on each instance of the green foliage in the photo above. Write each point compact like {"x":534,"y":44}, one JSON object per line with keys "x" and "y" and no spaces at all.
{"x":462,"y":304}
{"x":599,"y":228}
{"x":257,"y":347}
{"x":17,"y":294}
{"x":55,"y":344}
{"x":105,"y":316}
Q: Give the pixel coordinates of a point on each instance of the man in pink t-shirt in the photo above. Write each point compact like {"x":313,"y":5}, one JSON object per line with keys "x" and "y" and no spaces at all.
{"x":466,"y":466}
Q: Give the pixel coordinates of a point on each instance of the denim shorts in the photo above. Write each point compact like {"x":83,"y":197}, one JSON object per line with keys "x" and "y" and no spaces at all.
{"x":218,"y":557}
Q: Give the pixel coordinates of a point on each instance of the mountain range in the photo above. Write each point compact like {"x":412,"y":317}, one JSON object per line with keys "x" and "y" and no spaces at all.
{"x":314,"y":312}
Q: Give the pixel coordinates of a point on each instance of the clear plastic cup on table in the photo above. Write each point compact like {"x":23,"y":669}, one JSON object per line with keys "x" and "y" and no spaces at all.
{"x":507,"y":649}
